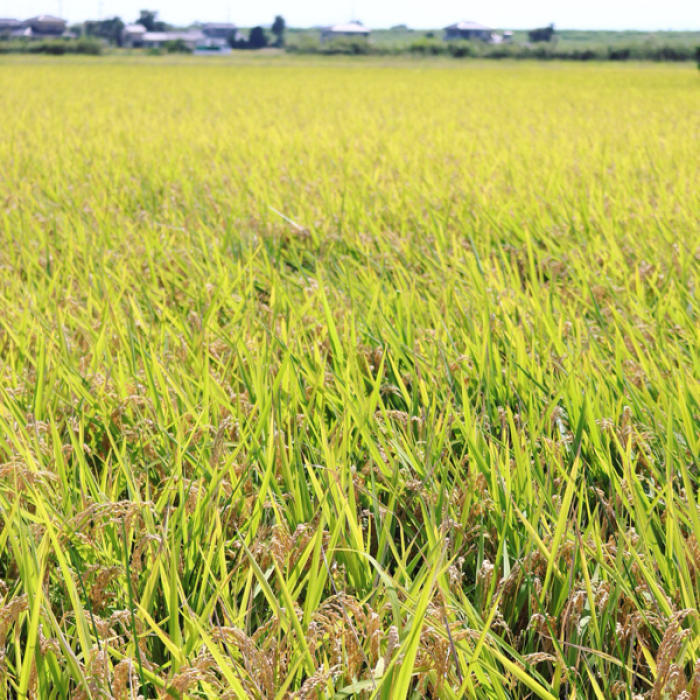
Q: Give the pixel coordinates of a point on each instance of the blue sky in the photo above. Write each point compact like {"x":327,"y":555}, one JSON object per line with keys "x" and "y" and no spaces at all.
{"x":582,"y":14}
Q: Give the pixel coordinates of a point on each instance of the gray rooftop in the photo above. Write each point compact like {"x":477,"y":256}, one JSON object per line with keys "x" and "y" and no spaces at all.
{"x":47,"y":18}
{"x":348,"y":28}
{"x":473,"y":26}
{"x":218,"y":25}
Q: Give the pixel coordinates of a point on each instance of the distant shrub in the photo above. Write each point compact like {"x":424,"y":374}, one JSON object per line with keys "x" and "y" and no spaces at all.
{"x":672,"y":53}
{"x":428,"y":47}
{"x":304,"y":44}
{"x":462,"y":49}
{"x":619,"y":53}
{"x":543,"y":51}
{"x":582,"y":55}
{"x":92,"y":47}
{"x":501,"y":51}
{"x":177,"y":46}
{"x":541,"y":34}
{"x":54,"y":47}
{"x":13,"y":46}
{"x":350,"y":47}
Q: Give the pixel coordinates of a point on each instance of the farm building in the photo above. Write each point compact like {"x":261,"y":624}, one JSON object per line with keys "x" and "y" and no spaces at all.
{"x":351,"y":30}
{"x":8,"y":26}
{"x":468,"y":30}
{"x":219,"y":34}
{"x":132,"y":35}
{"x":209,"y":38}
{"x":45,"y":26}
{"x":40,"y":27}
{"x":191,"y":38}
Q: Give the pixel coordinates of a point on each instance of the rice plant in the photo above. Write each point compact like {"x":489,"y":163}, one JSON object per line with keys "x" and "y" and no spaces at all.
{"x":329,"y":379}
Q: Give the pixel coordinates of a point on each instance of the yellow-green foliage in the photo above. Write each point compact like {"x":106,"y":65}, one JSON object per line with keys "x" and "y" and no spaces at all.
{"x":347,"y":378}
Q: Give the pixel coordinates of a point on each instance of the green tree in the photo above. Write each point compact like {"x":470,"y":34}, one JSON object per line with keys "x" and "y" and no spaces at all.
{"x":147,"y":18}
{"x":278,"y":27}
{"x":177,"y":46}
{"x":541,"y":33}
{"x":257,"y":38}
{"x":109,"y":29}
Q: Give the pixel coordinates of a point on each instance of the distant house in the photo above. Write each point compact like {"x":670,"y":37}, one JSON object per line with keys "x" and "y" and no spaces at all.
{"x":44,"y":27}
{"x":191,"y":38}
{"x":468,"y":30}
{"x":132,"y":36}
{"x":135,"y":36}
{"x":351,"y":30}
{"x":8,"y":26}
{"x":21,"y":33}
{"x":218,"y":34}
{"x":39,"y":27}
{"x":505,"y":38}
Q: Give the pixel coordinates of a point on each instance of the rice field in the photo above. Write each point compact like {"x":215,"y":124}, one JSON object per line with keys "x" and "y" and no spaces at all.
{"x":333,"y":378}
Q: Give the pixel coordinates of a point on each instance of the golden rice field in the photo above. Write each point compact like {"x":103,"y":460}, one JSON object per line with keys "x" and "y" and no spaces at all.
{"x":332,"y":378}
